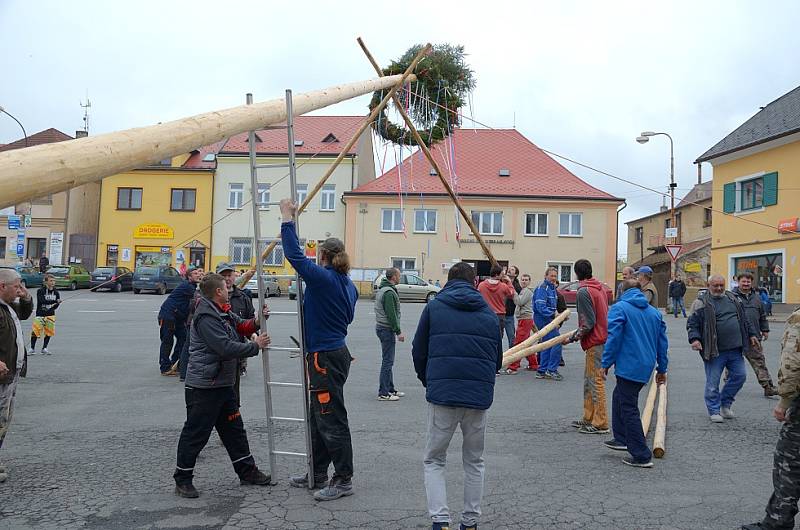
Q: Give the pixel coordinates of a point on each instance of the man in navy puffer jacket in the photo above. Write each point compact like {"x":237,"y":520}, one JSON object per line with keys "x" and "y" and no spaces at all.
{"x":457,"y":352}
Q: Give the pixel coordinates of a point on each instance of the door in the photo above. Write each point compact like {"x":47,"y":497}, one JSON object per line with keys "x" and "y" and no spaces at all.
{"x":197,"y":257}
{"x":417,"y":286}
{"x":404,"y":291}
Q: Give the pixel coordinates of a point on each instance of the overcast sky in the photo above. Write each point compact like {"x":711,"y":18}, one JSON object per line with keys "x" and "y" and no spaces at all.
{"x":578,"y":78}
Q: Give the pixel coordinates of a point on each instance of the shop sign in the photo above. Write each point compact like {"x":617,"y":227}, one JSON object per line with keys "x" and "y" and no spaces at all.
{"x":153,"y":231}
{"x":788,"y":226}
{"x":56,"y":247}
{"x":746,"y":264}
{"x":311,"y":249}
{"x":692,"y":266}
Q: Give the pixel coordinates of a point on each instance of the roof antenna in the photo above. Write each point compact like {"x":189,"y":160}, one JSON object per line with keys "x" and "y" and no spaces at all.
{"x":514,"y":120}
{"x":86,"y":108}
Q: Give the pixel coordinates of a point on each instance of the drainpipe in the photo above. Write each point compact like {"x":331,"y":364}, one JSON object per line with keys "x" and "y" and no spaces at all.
{"x":616,"y":244}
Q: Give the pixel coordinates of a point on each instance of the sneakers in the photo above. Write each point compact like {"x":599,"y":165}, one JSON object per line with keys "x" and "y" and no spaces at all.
{"x":542,"y":375}
{"x":727,"y":413}
{"x":555,"y":376}
{"x":398,"y":393}
{"x":591,"y":429}
{"x":187,"y":491}
{"x":255,"y":477}
{"x":301,"y":481}
{"x":336,"y":489}
{"x":770,"y":391}
{"x":628,"y":460}
{"x":614,"y":445}
{"x":508,"y":371}
{"x":580,"y":423}
{"x":470,"y":527}
{"x":440,"y":526}
{"x":388,"y":397}
{"x":716,"y":418}
{"x":45,"y":351}
{"x":534,"y":368}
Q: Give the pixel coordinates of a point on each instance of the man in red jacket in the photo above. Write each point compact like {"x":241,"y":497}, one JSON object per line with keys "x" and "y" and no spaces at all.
{"x":496,"y":290}
{"x":592,"y":306}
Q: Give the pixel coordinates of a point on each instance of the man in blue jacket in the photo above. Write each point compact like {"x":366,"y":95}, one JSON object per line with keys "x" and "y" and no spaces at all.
{"x":545,"y":302}
{"x":636,"y":343}
{"x":457,"y":352}
{"x":172,"y":322}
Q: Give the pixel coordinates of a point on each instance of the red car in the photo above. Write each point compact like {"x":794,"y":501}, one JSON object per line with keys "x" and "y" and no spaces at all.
{"x":570,"y":292}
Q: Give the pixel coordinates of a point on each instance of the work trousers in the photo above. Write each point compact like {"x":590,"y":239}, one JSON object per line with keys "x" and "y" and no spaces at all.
{"x":8,"y":392}
{"x":755,"y":356}
{"x":442,"y":423}
{"x":524,"y":329}
{"x":733,"y":361}
{"x":207,"y":409}
{"x":171,"y":332}
{"x":782,"y":506}
{"x":388,"y":344}
{"x":550,"y":358}
{"x":330,"y":431}
{"x":594,"y":389}
{"x":626,"y":423}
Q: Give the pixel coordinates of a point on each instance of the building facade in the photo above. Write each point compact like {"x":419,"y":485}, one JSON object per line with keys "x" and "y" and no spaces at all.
{"x":530,"y":210}
{"x":158,"y":215}
{"x":318,"y":141}
{"x":756,"y":182}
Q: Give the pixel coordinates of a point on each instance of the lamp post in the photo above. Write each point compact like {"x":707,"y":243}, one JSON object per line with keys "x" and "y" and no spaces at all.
{"x":643,"y":139}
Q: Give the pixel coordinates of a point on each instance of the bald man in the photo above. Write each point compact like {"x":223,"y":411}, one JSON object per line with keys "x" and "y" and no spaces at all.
{"x":627,"y":274}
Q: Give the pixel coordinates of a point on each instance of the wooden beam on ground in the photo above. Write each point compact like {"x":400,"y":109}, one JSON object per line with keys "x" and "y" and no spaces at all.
{"x":659,"y":446}
{"x":536,"y":348}
{"x":649,"y":405}
{"x":429,"y":156}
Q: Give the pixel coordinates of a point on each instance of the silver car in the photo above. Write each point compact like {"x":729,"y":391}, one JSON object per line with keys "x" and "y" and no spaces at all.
{"x":411,"y":288}
{"x":271,"y":287}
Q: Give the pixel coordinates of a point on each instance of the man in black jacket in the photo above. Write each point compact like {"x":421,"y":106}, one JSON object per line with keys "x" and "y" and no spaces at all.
{"x":214,"y":351}
{"x":677,"y":290}
{"x":172,"y":322}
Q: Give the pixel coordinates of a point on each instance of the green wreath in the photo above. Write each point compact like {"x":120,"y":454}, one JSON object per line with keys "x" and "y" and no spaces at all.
{"x":443,"y":78}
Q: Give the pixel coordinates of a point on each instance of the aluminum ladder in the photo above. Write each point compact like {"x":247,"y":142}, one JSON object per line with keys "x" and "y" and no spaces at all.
{"x":269,"y":384}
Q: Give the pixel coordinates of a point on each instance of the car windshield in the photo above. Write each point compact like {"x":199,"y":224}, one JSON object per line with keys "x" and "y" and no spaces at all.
{"x":147,"y":270}
{"x":104,"y":270}
{"x":58,"y":270}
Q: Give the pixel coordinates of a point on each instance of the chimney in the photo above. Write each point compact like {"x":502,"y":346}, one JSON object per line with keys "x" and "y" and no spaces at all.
{"x":81,"y":134}
{"x":699,"y":173}
{"x":663,"y":208}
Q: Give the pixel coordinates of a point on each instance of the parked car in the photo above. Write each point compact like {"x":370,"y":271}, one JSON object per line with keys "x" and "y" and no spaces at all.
{"x":161,"y":279}
{"x":271,"y":287}
{"x":31,"y":277}
{"x":570,"y":292}
{"x":293,"y":289}
{"x":71,"y":276}
{"x":411,"y":288}
{"x":115,"y":279}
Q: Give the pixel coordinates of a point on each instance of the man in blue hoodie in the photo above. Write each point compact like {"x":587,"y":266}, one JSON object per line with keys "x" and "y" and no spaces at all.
{"x":457,"y":351}
{"x":636,"y":343}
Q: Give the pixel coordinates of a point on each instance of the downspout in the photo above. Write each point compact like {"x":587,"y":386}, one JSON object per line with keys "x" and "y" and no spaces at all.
{"x":616,"y":244}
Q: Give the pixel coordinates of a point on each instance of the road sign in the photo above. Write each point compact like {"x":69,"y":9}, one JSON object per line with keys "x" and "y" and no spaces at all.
{"x":670,"y":232}
{"x":673,"y":251}
{"x":20,"y":249}
{"x":26,"y":221}
{"x":13,"y":222}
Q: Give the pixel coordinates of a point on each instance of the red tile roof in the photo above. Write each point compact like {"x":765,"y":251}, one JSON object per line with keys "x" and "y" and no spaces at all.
{"x":47,"y":136}
{"x":479,"y":156}
{"x":311,"y":130}
{"x":195,"y":161}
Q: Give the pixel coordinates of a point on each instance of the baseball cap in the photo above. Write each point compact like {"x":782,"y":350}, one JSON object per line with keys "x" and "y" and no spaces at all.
{"x":222,"y":267}
{"x":644,"y":269}
{"x":333,"y":245}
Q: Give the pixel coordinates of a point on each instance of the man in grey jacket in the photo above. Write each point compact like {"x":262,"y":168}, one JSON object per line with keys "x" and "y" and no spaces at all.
{"x":755,"y":313}
{"x":524,"y":313}
{"x":387,"y":327}
{"x":214,"y":352}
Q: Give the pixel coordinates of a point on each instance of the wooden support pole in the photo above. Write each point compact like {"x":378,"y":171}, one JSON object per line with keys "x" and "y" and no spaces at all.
{"x":649,"y":405}
{"x":536,"y":337}
{"x":536,"y":348}
{"x":434,"y":164}
{"x":36,"y":171}
{"x":659,"y":447}
{"x":400,"y":80}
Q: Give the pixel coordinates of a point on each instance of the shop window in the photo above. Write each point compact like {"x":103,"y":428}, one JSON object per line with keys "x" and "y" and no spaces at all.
{"x":767,"y":271}
{"x":112,"y":255}
{"x":129,"y":198}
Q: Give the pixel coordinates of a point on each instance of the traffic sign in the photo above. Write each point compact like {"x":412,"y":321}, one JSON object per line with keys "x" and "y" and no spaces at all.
{"x":673,"y":251}
{"x":670,"y":232}
{"x":13,"y":222}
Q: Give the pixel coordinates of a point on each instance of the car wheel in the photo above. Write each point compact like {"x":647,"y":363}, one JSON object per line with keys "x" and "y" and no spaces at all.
{"x":162,"y":289}
{"x":73,"y":286}
{"x":118,"y":288}
{"x":137,"y":291}
{"x":292,"y":296}
{"x":430,"y":297}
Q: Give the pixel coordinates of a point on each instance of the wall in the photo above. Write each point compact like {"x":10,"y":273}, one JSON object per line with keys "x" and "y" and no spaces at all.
{"x":46,"y":218}
{"x":692,"y":229}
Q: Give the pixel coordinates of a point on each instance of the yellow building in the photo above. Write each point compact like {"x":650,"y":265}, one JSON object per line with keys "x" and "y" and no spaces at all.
{"x":159,"y":215}
{"x":757,"y":186}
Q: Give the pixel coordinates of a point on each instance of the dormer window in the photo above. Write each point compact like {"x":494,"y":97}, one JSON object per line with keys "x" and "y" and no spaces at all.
{"x":432,"y":172}
{"x":330,"y":139}
{"x":504,"y":173}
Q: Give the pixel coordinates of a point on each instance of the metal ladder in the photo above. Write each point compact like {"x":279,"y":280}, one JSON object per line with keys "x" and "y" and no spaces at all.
{"x":300,"y":348}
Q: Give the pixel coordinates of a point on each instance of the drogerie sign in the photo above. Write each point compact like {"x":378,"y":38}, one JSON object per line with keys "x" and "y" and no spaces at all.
{"x":153,"y":231}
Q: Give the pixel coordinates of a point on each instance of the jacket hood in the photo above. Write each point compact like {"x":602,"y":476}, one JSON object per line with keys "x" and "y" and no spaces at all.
{"x":635,"y":297}
{"x":386,"y":283}
{"x":461,"y":295}
{"x":592,"y":283}
{"x":492,"y":284}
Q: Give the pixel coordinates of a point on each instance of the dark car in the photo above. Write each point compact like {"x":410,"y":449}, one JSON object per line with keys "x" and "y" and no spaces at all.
{"x":159,"y":279}
{"x":31,"y":277}
{"x":70,"y":276}
{"x":115,"y":279}
{"x":570,"y":292}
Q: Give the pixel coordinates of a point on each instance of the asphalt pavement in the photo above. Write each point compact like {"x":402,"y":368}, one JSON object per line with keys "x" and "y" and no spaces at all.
{"x":93,"y":439}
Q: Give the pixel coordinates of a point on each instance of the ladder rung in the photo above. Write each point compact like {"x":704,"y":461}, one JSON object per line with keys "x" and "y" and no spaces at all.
{"x":273,"y":127}
{"x":288,"y":453}
{"x":268,"y":166}
{"x":279,"y":383}
{"x":280,"y":348}
{"x":282,"y":313}
{"x":284,"y":418}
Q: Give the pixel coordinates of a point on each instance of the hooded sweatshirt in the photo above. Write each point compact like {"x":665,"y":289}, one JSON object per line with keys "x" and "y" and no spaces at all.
{"x":592,"y":306}
{"x":496,"y":293}
{"x":457,"y":350}
{"x":637,"y":338}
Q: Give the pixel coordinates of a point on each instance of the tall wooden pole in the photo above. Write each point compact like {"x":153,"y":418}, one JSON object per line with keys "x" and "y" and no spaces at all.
{"x":659,"y":445}
{"x":40,"y":170}
{"x":434,"y":164}
{"x":649,"y":405}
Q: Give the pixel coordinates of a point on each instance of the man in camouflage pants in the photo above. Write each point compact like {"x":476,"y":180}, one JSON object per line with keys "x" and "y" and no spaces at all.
{"x":757,"y":315}
{"x":782,"y":505}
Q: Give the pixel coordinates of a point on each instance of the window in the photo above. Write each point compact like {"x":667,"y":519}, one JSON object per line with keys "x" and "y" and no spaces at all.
{"x":36,"y":247}
{"x":2,"y":248}
{"x":183,"y":200}
{"x":488,"y":223}
{"x":752,"y":194}
{"x":328,"y":198}
{"x":263,"y":196}
{"x":302,"y":193}
{"x":706,"y":217}
{"x":569,"y":224}
{"x":235,"y":195}
{"x":425,"y":221}
{"x":275,"y":257}
{"x":241,"y":251}
{"x":536,"y":224}
{"x":391,"y":220}
{"x":404,"y":264}
{"x":129,"y":198}
{"x":638,"y":234}
{"x":564,"y":271}
{"x":668,"y":222}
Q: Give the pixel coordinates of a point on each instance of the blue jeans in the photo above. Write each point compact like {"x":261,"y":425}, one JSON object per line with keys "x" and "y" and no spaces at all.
{"x":678,"y":302}
{"x":734,"y":362}
{"x":510,"y":326}
{"x":626,"y":424}
{"x":550,"y":358}
{"x":386,"y":381}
